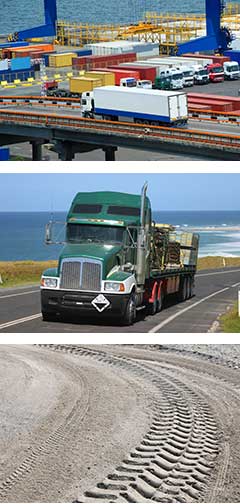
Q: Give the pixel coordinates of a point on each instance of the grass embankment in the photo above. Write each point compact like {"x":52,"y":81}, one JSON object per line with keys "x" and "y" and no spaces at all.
{"x":212,"y":262}
{"x":15,"y":273}
{"x":230,"y":322}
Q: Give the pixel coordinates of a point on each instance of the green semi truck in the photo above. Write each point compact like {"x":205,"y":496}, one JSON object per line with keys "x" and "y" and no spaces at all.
{"x":116,"y":260}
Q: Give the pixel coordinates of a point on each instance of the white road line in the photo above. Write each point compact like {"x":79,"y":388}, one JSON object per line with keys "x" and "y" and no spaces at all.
{"x":20,"y":321}
{"x":19,"y":294}
{"x":172,"y":317}
{"x":217,"y":273}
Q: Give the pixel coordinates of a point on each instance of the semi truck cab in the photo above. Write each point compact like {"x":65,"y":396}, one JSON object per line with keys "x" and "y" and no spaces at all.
{"x":231,"y":70}
{"x":216,"y":72}
{"x":201,"y":75}
{"x":104,"y":261}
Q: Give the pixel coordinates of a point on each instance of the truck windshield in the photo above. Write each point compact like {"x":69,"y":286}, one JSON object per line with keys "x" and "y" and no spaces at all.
{"x":188,"y":73}
{"x":177,"y":76}
{"x":216,"y":70}
{"x":233,"y":68}
{"x":203,"y":72}
{"x":78,"y":233}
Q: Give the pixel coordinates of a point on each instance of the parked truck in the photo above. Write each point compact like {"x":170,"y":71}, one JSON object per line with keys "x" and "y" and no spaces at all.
{"x":200,"y":74}
{"x":116,"y":260}
{"x":231,"y":70}
{"x":215,"y":72}
{"x":147,"y":106}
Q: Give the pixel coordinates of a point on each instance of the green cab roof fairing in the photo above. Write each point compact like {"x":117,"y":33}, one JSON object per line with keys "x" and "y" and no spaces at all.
{"x":104,"y":200}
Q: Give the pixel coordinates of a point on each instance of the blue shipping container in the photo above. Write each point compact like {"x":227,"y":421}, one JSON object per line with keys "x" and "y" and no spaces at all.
{"x":84,"y":52}
{"x":20,"y":63}
{"x":11,"y":76}
{"x":234,"y":55}
{"x":4,"y":155}
{"x":9,"y":45}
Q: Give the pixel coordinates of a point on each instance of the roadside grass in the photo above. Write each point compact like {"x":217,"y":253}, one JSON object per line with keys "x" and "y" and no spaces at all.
{"x":16,"y":273}
{"x":214,"y":262}
{"x":230,"y":321}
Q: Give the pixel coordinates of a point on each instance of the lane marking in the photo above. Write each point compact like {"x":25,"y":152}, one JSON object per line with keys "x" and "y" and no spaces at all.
{"x":217,"y":273}
{"x":172,"y":317}
{"x":20,"y":321}
{"x":19,"y":294}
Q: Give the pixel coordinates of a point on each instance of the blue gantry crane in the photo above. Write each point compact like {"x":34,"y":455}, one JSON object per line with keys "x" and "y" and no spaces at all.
{"x":218,"y":38}
{"x":46,"y":30}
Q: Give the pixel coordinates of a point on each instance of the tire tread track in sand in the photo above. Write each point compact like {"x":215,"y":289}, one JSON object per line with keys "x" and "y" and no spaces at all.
{"x":175,"y":459}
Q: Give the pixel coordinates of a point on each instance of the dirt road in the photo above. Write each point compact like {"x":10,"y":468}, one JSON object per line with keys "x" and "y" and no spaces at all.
{"x":117,"y":423}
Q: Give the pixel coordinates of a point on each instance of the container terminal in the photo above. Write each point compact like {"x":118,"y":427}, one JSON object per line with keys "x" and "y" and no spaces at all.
{"x":165,"y":87}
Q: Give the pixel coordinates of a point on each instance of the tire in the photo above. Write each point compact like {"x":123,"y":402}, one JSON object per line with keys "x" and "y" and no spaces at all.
{"x":182,"y":291}
{"x":131,"y":311}
{"x":160,"y":302}
{"x":152,"y":307}
{"x":48,"y":317}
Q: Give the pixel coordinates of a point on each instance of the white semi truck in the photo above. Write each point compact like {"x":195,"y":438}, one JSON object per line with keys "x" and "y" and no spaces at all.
{"x":142,"y":106}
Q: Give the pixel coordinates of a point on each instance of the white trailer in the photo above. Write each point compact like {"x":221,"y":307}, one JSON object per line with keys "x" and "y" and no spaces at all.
{"x":177,"y":60}
{"x":144,"y":106}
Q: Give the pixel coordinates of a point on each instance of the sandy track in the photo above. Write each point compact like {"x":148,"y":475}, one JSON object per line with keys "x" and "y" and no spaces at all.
{"x":118,"y":423}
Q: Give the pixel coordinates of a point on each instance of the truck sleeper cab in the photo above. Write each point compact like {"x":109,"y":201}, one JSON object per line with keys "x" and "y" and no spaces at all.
{"x":115,"y":261}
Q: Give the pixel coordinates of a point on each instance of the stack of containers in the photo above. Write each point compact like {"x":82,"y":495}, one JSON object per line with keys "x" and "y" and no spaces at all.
{"x":92,"y":62}
{"x":26,"y":51}
{"x":142,"y":49}
{"x":20,"y":63}
{"x":224,"y":103}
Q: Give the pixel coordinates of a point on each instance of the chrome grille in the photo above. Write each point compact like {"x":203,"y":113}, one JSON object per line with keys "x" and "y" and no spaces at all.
{"x":70,"y":277}
{"x":91,"y":276}
{"x":81,"y":275}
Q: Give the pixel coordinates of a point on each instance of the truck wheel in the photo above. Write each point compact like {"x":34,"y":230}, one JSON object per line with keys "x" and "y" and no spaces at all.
{"x":160,"y":302}
{"x":131,"y":312}
{"x":182,"y":294}
{"x":48,"y":317}
{"x":152,"y":307}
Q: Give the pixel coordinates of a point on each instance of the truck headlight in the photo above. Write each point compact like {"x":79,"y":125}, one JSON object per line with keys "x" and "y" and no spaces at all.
{"x":49,"y":282}
{"x":114,"y":286}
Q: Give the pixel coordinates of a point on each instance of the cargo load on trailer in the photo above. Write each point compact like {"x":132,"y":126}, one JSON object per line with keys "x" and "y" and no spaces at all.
{"x":116,"y":260}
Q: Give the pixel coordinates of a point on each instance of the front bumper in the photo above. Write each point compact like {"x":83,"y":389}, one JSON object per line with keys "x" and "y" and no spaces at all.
{"x":80,"y":303}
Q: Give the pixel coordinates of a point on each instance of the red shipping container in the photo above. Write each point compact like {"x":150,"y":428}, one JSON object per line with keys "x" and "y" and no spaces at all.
{"x":214,"y":105}
{"x":234,"y":101}
{"x":120,"y":74}
{"x":145,"y":72}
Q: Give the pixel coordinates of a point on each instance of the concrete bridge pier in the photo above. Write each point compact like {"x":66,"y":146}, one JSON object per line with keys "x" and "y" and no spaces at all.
{"x":65,"y":151}
{"x":36,"y":151}
{"x":110,"y":153}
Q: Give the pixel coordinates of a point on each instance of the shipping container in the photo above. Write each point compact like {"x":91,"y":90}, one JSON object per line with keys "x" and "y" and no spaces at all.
{"x":20,"y":63}
{"x":233,"y":100}
{"x":84,"y":52}
{"x":83,"y":84}
{"x":145,"y":72}
{"x":26,"y":51}
{"x":138,"y":105}
{"x":59,"y":60}
{"x":9,"y":45}
{"x":11,"y":76}
{"x":107,"y":78}
{"x":214,"y":57}
{"x":3,"y":65}
{"x":214,"y":105}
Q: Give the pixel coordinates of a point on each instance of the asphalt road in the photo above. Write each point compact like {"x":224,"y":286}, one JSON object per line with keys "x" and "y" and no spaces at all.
{"x":215,"y":291}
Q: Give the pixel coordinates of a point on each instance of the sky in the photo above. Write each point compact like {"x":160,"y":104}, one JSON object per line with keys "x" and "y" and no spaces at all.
{"x":54,"y":192}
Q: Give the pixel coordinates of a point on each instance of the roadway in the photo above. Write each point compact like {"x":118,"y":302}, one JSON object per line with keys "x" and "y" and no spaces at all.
{"x":65,"y":110}
{"x":215,"y":291}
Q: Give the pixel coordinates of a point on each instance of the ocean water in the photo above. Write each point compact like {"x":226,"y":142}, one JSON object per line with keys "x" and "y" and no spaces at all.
{"x":22,"y":14}
{"x":22,"y":233}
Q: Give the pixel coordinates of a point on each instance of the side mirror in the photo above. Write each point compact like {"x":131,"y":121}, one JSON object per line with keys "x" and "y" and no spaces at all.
{"x":48,"y":233}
